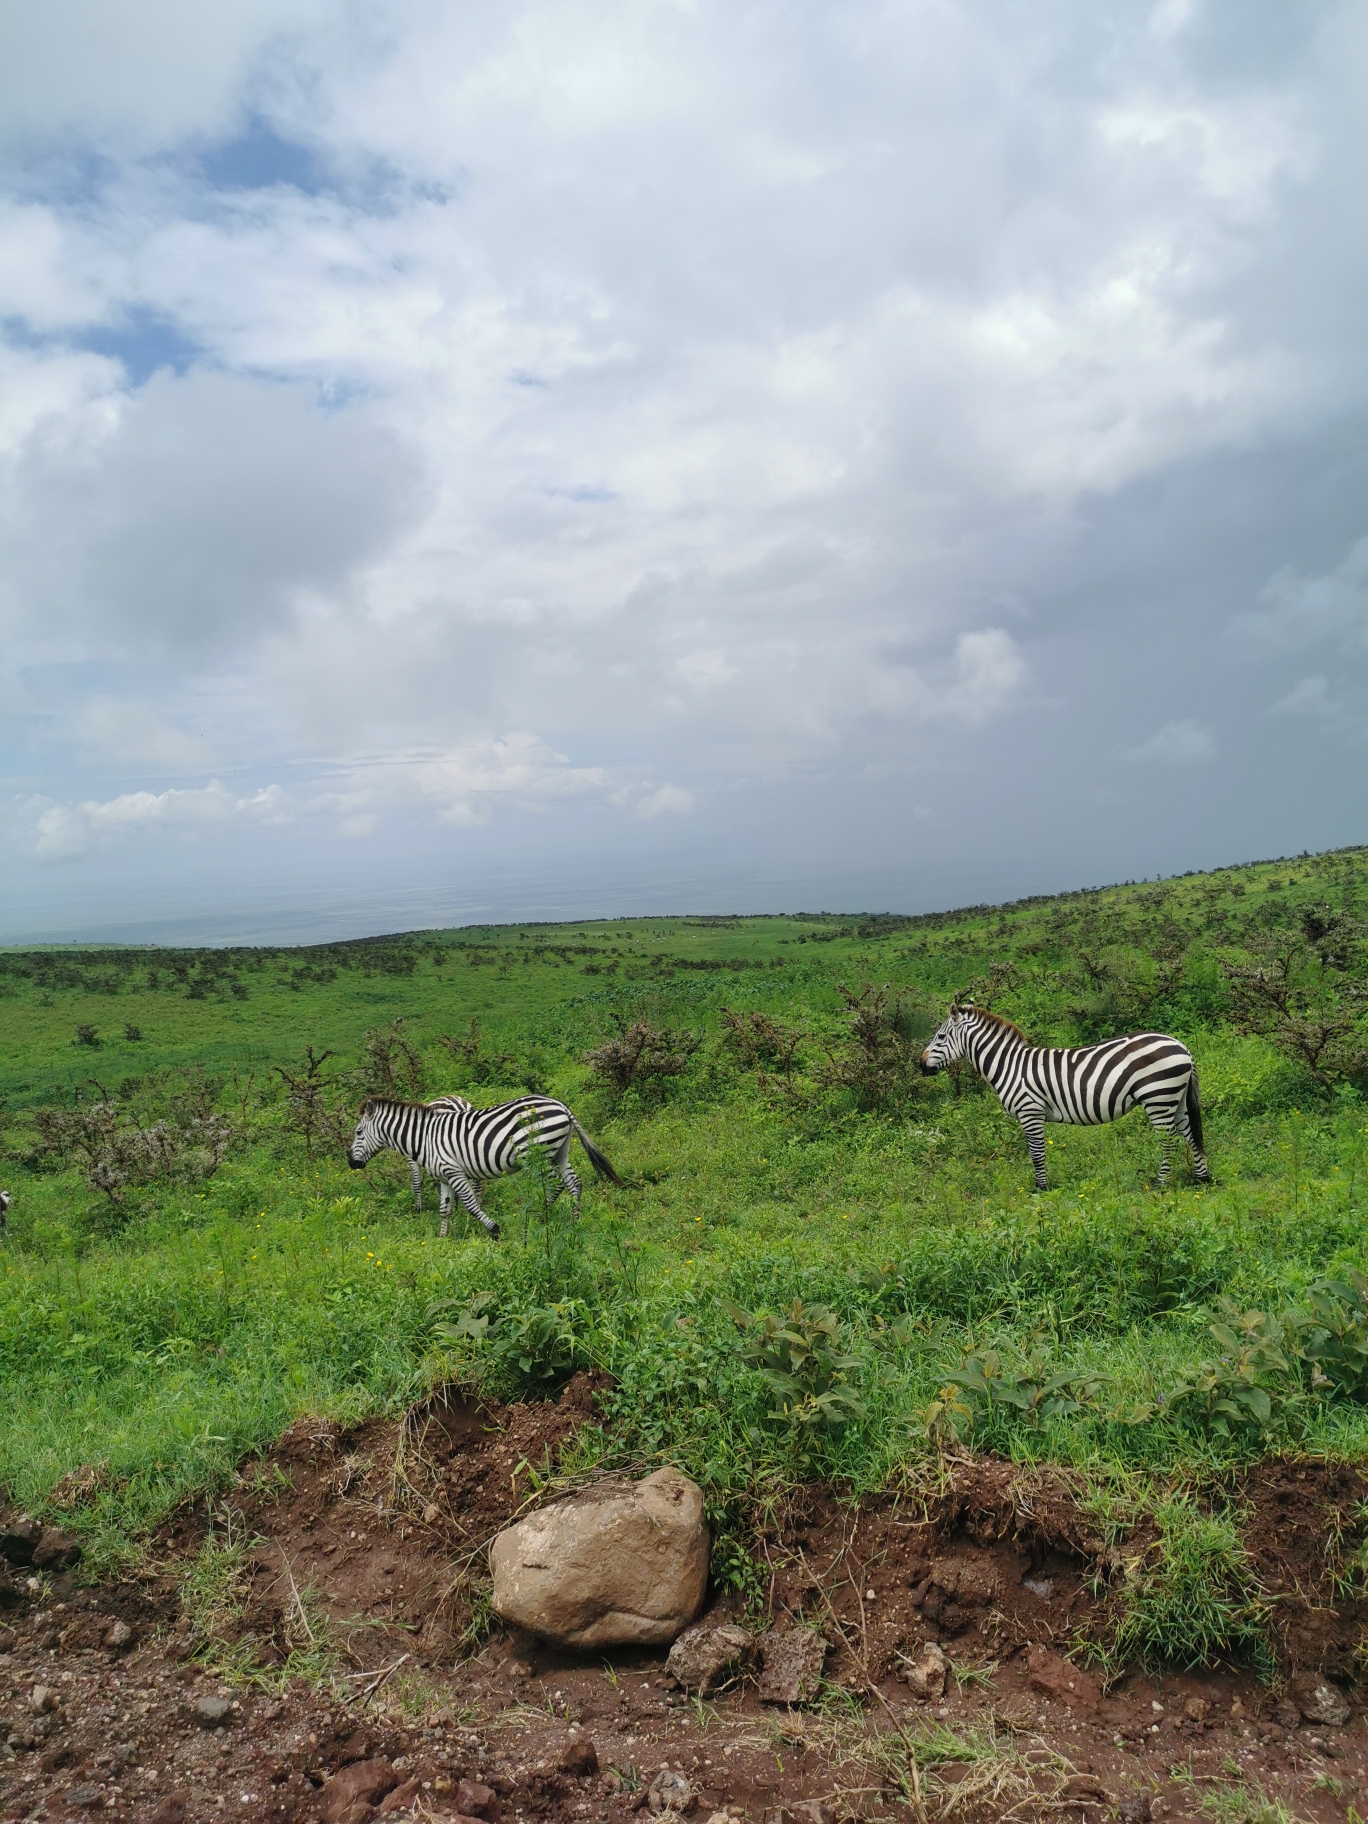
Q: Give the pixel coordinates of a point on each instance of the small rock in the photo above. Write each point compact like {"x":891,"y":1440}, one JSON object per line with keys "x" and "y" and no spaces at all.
{"x":812,"y":1811}
{"x":118,"y":1637}
{"x":18,"y":1536}
{"x":613,"y":1782}
{"x":1195,"y":1709}
{"x":621,"y":1564}
{"x":670,"y":1791}
{"x":720,"y":1817}
{"x":792,"y":1665}
{"x":1016,"y":1713}
{"x":10,"y":1592}
{"x":364,"y":1783}
{"x":1134,"y":1808}
{"x":580,"y":1759}
{"x":702,"y":1656}
{"x":403,"y":1797}
{"x":9,"y":1640}
{"x":55,"y":1551}
{"x":171,"y":1807}
{"x":1286,"y":1714}
{"x":43,"y":1698}
{"x":474,"y":1800}
{"x":519,"y":1668}
{"x":431,"y":1514}
{"x":86,"y":1798}
{"x":212,"y":1712}
{"x":1039,"y":1586}
{"x":925,"y":1675}
{"x":1058,"y":1678}
{"x":1319,"y":1701}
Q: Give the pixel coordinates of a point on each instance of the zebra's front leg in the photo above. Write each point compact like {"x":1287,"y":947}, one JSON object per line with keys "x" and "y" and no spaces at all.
{"x":465,"y":1191}
{"x":1033,"y":1126}
{"x":416,"y":1171}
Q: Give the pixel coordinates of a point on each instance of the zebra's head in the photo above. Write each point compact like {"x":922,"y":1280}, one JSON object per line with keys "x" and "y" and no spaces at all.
{"x":949,"y":1039}
{"x":368,"y":1140}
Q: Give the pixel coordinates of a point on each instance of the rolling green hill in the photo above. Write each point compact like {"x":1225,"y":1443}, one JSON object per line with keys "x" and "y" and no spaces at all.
{"x":189,"y":1262}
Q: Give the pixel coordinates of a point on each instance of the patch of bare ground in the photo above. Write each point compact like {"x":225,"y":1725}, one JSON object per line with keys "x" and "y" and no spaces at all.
{"x":358,"y":1557}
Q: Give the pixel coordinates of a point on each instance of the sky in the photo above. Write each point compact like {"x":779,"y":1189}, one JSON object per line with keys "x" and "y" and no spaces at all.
{"x":558,"y":459}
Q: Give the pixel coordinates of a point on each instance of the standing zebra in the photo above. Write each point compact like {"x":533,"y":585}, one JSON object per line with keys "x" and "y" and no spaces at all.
{"x":1082,"y":1085}
{"x":462,"y":1145}
{"x":416,"y":1170}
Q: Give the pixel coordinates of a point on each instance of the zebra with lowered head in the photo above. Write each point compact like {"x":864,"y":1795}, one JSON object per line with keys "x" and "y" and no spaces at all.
{"x":461,"y":1146}
{"x":1082,"y":1085}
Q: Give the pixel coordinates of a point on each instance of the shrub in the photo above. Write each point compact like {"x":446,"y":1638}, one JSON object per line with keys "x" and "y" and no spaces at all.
{"x":877,"y":1060}
{"x":391,"y":1064}
{"x":799,"y":1355}
{"x":1251,"y":1391}
{"x":642,"y":1057}
{"x":87,"y":1035}
{"x":534,"y":1346}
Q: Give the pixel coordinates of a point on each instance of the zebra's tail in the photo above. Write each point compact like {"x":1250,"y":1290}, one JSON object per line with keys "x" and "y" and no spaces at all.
{"x":1194,"y":1111}
{"x":600,"y":1161}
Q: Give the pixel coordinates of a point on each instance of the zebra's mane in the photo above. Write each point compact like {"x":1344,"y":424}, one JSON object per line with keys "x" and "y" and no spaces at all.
{"x":388,"y":1102}
{"x":996,"y":1019}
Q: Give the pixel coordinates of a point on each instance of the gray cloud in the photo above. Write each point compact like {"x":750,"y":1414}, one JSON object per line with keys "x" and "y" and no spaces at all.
{"x":820,"y":435}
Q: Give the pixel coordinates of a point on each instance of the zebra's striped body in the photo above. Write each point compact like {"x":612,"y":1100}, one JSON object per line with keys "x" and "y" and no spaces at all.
{"x":1082,"y":1085}
{"x":416,"y":1170}
{"x":461,"y":1145}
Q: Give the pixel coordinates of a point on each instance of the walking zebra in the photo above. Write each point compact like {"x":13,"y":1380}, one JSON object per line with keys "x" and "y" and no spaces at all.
{"x":461,"y":1146}
{"x":416,"y":1170}
{"x":1082,"y":1085}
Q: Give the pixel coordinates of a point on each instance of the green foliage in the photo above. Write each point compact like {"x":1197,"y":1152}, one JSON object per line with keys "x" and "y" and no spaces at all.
{"x":799,"y":1356}
{"x":1251,"y":1392}
{"x":1030,"y":1383}
{"x":1193,"y":1598}
{"x":525,"y":1349}
{"x":1332,"y":1329}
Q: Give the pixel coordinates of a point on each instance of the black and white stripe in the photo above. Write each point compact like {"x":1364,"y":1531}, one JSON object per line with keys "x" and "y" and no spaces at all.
{"x":416,"y":1170}
{"x":1082,"y":1085}
{"x":4,"y":1213}
{"x":462,"y":1146}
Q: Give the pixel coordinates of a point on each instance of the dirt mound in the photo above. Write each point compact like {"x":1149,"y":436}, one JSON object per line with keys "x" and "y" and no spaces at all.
{"x":374,"y":1539}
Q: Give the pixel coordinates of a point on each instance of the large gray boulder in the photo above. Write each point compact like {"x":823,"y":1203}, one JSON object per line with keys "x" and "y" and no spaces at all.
{"x":618,"y":1565}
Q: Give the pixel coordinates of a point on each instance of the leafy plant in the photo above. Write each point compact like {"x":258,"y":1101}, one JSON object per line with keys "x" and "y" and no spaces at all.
{"x":535,"y":1345}
{"x":309,"y":1111}
{"x":1302,"y":991}
{"x":1251,"y":1391}
{"x":391,"y":1065}
{"x":1332,"y":1332}
{"x":1030,"y":1384}
{"x":799,"y":1354}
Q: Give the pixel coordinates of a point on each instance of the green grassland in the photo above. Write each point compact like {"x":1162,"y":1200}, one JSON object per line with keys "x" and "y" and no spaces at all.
{"x":159,"y":1328}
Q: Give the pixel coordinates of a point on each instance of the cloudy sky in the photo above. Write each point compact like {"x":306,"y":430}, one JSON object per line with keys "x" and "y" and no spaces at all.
{"x":542,"y":458}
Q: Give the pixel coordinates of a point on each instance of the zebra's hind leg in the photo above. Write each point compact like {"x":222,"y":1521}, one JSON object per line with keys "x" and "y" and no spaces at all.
{"x":416,"y":1172}
{"x":1033,"y":1126}
{"x":1166,"y":1122}
{"x":568,"y":1176}
{"x":465,"y":1192}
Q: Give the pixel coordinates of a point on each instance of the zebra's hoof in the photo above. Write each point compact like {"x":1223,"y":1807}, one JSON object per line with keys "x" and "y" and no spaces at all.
{"x":493,"y":1231}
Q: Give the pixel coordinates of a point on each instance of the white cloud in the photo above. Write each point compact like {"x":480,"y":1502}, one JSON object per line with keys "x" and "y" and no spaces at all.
{"x":1175,"y":744}
{"x":666,"y":800}
{"x":65,"y":832}
{"x":1308,"y":697}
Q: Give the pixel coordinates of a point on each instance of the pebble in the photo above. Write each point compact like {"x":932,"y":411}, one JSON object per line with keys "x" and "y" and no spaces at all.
{"x":42,"y":1698}
{"x":213,"y":1712}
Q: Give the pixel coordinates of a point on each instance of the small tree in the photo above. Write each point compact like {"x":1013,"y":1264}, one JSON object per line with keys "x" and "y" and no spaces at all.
{"x":764,"y":1045}
{"x":642,"y":1057}
{"x":878,"y":1057}
{"x":307,"y":1110}
{"x":393,"y":1065}
{"x":1298,"y":995}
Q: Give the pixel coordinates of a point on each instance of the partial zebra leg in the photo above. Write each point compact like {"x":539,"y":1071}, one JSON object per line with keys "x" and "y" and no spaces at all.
{"x":1033,"y":1126}
{"x":1166,"y":1122}
{"x":417,"y":1173}
{"x":1182,"y":1124}
{"x":567,"y":1175}
{"x":465,"y":1191}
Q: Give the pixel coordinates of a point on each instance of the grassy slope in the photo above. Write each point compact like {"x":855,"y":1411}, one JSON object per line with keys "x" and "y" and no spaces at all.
{"x":167,"y":1339}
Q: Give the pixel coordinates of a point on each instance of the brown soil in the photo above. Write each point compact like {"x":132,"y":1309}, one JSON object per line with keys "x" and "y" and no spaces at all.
{"x":382,"y":1532}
